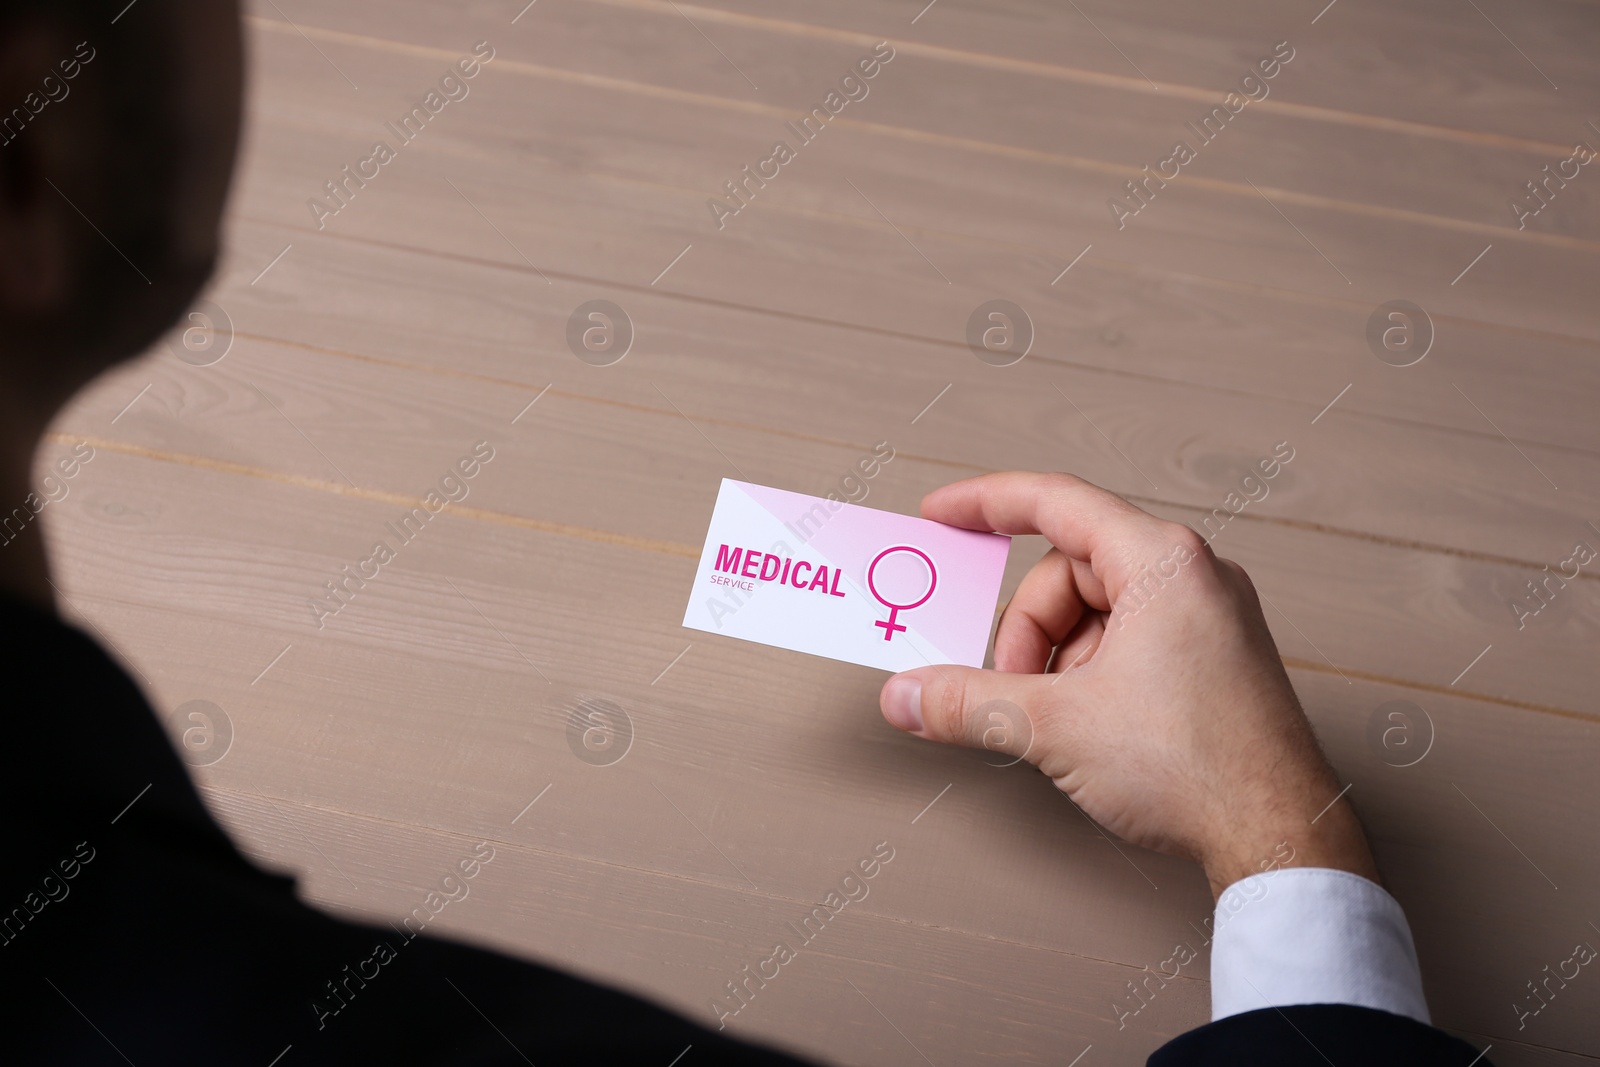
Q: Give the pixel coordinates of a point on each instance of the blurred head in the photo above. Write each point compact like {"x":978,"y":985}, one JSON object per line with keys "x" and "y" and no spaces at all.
{"x":112,"y":179}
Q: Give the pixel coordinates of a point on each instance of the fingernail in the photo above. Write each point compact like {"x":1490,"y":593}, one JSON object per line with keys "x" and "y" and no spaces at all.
{"x":902,"y":704}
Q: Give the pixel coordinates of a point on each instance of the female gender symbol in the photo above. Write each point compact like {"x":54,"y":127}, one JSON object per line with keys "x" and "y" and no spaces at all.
{"x":891,"y":626}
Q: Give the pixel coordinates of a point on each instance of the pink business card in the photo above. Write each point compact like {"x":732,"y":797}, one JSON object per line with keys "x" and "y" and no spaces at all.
{"x":843,"y":581}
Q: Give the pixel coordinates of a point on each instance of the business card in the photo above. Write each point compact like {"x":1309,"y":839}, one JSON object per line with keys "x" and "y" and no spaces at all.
{"x":846,"y":582}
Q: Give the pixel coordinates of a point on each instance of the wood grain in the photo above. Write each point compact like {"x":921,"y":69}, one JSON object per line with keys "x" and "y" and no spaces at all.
{"x":369,"y":354}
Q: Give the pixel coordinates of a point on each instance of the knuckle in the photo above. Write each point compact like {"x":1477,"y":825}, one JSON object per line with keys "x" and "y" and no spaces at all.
{"x":1058,"y":486}
{"x":1180,"y":535}
{"x":1062,"y":480}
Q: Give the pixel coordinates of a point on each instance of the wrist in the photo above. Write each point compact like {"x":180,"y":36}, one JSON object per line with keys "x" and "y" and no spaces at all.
{"x":1334,"y":841}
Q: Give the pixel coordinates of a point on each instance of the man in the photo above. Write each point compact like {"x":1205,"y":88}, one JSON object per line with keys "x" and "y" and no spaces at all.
{"x":142,"y":935}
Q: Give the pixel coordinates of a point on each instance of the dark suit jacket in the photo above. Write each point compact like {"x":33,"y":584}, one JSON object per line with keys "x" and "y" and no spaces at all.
{"x":1307,"y":1035}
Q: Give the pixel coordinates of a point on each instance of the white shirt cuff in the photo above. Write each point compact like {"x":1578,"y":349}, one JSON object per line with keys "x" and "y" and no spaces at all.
{"x":1307,"y":935}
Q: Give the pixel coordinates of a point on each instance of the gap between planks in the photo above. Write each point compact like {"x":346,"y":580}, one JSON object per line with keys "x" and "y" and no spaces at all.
{"x":239,"y":796}
{"x":1215,"y":185}
{"x":673,"y":548}
{"x":965,"y":57}
{"x":1143,"y":86}
{"x":1104,"y":264}
{"x":901,"y":335}
{"x":973,"y":469}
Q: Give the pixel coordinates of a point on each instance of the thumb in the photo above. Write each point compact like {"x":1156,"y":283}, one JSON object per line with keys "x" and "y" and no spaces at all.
{"x":965,"y":706}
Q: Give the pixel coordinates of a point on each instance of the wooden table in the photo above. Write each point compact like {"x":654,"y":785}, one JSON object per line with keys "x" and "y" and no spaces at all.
{"x":369,"y":349}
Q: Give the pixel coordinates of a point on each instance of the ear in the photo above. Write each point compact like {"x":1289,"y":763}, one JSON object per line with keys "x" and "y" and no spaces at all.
{"x":36,"y":136}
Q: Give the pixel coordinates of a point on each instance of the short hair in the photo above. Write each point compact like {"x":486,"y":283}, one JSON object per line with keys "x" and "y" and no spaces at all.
{"x":131,"y":81}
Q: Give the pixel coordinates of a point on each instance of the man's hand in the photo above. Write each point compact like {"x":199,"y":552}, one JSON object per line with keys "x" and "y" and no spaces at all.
{"x":1153,"y":691}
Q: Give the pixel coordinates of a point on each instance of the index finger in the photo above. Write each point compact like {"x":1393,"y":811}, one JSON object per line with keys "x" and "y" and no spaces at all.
{"x":1115,"y":538}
